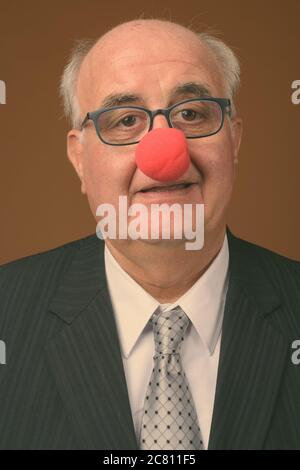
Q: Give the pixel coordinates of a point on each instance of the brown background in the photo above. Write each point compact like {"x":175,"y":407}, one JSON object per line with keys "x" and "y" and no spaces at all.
{"x":41,"y":203}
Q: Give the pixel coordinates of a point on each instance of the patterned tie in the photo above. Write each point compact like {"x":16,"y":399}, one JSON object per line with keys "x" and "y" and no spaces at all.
{"x":170,"y":419}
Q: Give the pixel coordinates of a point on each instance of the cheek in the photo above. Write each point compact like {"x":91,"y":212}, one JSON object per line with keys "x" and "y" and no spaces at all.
{"x":213,"y":155}
{"x":213,"y":159}
{"x":108,"y":171}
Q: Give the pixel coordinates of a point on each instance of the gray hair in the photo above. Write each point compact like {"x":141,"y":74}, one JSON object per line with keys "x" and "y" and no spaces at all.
{"x":68,"y":82}
{"x":228,"y":63}
{"x":224,"y":55}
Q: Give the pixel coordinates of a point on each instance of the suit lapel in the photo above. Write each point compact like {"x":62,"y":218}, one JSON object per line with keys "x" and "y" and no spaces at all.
{"x":85,"y":357}
{"x":252,"y":357}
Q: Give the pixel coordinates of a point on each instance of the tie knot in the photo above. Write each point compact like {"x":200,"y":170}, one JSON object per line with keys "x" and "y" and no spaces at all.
{"x":169,"y":329}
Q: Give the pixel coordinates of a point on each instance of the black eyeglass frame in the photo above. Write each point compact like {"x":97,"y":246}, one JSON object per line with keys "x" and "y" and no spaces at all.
{"x":224,"y":104}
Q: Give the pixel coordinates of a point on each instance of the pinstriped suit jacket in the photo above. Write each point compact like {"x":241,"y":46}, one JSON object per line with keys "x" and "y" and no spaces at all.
{"x":63,"y":384}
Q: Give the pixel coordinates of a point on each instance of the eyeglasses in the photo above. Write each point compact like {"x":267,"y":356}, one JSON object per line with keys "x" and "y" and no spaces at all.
{"x":127,"y":125}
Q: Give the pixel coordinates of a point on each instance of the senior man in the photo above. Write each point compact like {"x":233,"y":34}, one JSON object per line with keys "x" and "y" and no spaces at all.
{"x":141,"y":343}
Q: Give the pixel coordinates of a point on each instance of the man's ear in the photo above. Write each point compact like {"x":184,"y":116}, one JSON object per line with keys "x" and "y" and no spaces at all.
{"x":236,"y":130}
{"x":75,"y":153}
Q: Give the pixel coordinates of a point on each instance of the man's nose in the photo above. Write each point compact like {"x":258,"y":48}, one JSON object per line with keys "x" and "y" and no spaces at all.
{"x":162,"y":154}
{"x":160,"y":122}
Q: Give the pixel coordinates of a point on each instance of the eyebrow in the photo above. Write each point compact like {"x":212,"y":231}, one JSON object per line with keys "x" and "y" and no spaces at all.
{"x":119,"y":99}
{"x":198,"y":90}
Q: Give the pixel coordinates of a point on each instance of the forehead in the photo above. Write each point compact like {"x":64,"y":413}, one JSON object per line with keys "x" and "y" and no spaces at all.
{"x":146,"y":61}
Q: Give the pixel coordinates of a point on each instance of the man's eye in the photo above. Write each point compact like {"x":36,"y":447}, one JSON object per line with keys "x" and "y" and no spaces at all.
{"x":189,"y":114}
{"x":128,"y":121}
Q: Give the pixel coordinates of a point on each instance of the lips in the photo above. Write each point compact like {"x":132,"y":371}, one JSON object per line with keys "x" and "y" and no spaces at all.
{"x":172,"y":187}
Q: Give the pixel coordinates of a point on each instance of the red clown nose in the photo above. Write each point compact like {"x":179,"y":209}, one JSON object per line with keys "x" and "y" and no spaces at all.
{"x":163,"y":154}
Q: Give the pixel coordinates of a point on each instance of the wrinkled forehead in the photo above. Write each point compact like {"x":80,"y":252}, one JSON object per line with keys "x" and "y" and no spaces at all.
{"x":132,"y":51}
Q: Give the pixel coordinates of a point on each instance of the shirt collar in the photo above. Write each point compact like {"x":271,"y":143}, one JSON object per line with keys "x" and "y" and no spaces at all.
{"x":133,"y":306}
{"x":203,"y":302}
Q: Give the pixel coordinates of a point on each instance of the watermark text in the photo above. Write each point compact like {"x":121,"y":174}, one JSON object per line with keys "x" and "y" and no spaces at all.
{"x":2,"y":92}
{"x":296,"y":94}
{"x":296,"y":354}
{"x":154,"y":222}
{"x":2,"y":352}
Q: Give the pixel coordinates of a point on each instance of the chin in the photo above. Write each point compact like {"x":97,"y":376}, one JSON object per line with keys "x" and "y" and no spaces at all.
{"x":161,"y":243}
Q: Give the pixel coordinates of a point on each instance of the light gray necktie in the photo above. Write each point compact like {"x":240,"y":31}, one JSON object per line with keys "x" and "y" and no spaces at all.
{"x":170,"y":420}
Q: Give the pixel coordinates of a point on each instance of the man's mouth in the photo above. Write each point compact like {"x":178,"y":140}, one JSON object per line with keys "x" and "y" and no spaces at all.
{"x":172,"y":187}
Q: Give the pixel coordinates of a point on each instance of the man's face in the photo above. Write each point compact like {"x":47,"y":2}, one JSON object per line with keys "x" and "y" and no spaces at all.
{"x":154,"y":68}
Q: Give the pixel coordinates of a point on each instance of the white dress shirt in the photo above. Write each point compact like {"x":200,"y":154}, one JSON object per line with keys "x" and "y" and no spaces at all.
{"x":203,"y":303}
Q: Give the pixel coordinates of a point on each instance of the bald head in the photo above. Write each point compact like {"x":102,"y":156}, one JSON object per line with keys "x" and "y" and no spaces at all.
{"x":122,"y":35}
{"x":140,"y":42}
{"x":143,"y":40}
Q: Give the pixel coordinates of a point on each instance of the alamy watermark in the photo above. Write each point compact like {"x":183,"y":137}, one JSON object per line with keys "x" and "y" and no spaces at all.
{"x":2,"y":352}
{"x":154,"y":222}
{"x":2,"y":92}
{"x":296,"y":354}
{"x":295,"y":97}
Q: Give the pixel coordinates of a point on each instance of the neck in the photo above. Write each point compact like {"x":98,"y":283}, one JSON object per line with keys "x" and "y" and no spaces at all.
{"x":165,"y":271}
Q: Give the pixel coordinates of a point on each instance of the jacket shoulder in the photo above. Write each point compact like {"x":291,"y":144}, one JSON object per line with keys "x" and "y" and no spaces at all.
{"x":30,"y":272}
{"x":260,"y":266}
{"x":37,"y":258}
{"x":247,"y":248}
